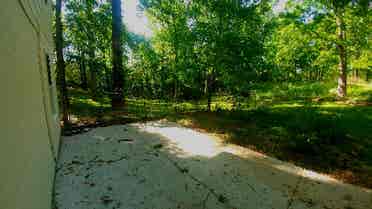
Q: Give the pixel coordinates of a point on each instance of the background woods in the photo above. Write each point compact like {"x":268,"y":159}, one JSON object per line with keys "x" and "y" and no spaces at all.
{"x":200,"y":48}
{"x":289,"y":78}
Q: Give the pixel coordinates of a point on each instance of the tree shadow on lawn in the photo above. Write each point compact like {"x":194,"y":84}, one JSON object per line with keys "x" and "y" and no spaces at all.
{"x":336,"y":140}
{"x":87,"y":113}
{"x":85,"y":110}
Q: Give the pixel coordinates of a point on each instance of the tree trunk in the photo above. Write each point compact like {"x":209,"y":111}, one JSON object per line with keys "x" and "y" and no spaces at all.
{"x":93,"y":73}
{"x":175,"y":68}
{"x":209,"y":101}
{"x":61,"y":65}
{"x":91,"y":50}
{"x":108,"y":79}
{"x":319,"y":76}
{"x":342,"y":67}
{"x":117,"y":97}
{"x":83,"y":73}
{"x":107,"y":76}
{"x":367,"y":75}
{"x":207,"y":92}
{"x":205,"y":89}
{"x":175,"y":90}
{"x":210,"y":89}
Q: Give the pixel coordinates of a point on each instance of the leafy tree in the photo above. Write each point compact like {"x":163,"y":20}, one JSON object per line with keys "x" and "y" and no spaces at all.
{"x":209,"y":45}
{"x":336,"y":12}
{"x":89,"y":42}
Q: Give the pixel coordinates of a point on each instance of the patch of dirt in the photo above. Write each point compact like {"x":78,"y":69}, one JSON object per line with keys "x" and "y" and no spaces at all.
{"x":85,"y":124}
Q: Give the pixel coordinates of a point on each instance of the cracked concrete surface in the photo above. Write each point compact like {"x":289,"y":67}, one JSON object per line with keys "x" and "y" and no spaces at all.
{"x":161,"y":165}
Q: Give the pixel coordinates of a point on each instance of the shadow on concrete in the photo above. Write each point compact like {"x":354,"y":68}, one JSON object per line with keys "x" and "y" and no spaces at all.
{"x":162,"y":165}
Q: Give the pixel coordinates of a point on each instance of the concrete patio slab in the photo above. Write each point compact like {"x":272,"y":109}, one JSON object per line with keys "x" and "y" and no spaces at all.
{"x":161,"y":165}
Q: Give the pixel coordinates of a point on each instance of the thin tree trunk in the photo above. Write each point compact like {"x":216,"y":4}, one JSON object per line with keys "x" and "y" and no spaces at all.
{"x":320,"y":75}
{"x":207,"y":92}
{"x":342,"y":79}
{"x":117,"y":97}
{"x":61,"y":65}
{"x":210,"y":89}
{"x":91,"y":50}
{"x":83,"y":72}
{"x":367,"y":76}
{"x":175,"y":92}
{"x":205,"y":89}
{"x":176,"y":65}
{"x":93,"y":73}
{"x":108,"y":79}
{"x":107,"y":75}
{"x":209,"y":100}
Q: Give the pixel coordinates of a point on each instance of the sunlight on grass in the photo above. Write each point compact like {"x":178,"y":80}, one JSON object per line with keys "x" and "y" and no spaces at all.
{"x":89,"y":102}
{"x":185,"y":122}
{"x":288,"y":105}
{"x":333,"y":105}
{"x":305,"y":173}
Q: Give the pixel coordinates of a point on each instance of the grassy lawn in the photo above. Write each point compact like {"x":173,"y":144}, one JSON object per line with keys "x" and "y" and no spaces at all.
{"x":85,"y":109}
{"x":332,"y":140}
{"x":302,"y":124}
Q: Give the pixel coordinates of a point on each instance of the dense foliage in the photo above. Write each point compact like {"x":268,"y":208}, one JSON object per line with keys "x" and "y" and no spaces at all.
{"x":203,"y":47}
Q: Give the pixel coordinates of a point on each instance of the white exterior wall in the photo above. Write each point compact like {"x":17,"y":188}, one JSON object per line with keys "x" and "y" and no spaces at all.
{"x":29,"y":124}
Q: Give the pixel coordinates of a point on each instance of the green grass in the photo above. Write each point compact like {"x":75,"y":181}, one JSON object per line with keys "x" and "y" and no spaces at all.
{"x":333,"y":140}
{"x":360,"y":93}
{"x":84,"y":107}
{"x":302,"y":123}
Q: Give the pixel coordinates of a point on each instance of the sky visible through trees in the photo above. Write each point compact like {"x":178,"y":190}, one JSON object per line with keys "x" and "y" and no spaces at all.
{"x":135,"y":19}
{"x":138,"y":23}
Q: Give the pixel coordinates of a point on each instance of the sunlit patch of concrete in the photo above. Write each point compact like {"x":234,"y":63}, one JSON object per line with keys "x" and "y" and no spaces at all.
{"x":317,"y":176}
{"x":190,"y":142}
